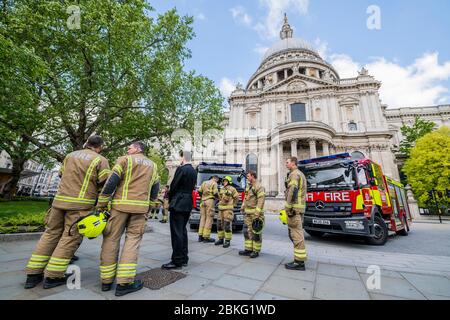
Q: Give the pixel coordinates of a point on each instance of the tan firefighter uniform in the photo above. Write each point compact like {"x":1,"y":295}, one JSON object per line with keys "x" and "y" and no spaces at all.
{"x":253,"y":208}
{"x":165,"y":205}
{"x":82,"y":174}
{"x":228,"y":198}
{"x":155,"y":209}
{"x":295,"y":209}
{"x":209,"y":192}
{"x":136,"y":175}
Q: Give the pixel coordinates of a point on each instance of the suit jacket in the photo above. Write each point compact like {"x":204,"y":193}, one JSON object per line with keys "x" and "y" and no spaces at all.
{"x":180,"y":191}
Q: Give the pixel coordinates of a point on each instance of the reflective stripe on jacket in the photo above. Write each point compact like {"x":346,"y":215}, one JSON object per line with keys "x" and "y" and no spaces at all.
{"x":254,"y":198}
{"x":228,"y":198}
{"x":296,"y":180}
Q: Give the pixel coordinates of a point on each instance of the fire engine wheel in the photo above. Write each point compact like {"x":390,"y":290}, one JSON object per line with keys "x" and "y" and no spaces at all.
{"x":404,"y":232}
{"x":380,"y":232}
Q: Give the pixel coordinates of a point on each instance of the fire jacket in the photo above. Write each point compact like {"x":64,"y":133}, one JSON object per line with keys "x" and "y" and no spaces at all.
{"x":208,"y":190}
{"x":228,"y":198}
{"x":295,"y":190}
{"x":83,"y":173}
{"x":135,"y":181}
{"x":254,"y":198}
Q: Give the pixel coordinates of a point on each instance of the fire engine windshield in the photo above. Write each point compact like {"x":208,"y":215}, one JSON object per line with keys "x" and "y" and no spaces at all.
{"x":238,"y":180}
{"x":329,"y":178}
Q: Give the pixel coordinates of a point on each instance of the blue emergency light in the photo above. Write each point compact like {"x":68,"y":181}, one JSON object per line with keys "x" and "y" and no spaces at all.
{"x":326,"y":158}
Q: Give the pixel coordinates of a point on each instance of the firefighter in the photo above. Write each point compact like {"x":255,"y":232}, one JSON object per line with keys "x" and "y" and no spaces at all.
{"x":133,"y":185}
{"x":165,"y":211}
{"x":252,"y":208}
{"x":228,"y":197}
{"x":209,"y":192}
{"x":295,"y":208}
{"x":82,"y":174}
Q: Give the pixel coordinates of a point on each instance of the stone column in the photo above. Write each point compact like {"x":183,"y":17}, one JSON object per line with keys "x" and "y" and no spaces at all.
{"x":412,"y":203}
{"x":325,"y":148}
{"x":312,"y":148}
{"x":294,"y":148}
{"x":280,"y":170}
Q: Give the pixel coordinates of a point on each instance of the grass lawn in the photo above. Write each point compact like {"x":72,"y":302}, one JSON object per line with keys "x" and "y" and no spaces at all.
{"x":22,"y":213}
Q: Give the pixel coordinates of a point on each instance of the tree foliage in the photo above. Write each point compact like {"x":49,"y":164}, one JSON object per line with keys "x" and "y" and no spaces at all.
{"x":428,"y":167}
{"x":412,"y":133}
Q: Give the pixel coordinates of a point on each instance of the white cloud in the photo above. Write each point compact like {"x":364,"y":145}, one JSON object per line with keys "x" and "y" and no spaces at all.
{"x":227,"y":86}
{"x":240,"y":16}
{"x":201,"y":16}
{"x":269,"y":26}
{"x":418,"y":84}
{"x":260,"y":50}
{"x":321,"y":47}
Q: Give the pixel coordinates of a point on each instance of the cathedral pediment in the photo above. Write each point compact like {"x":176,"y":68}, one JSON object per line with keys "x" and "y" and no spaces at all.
{"x":297,"y":83}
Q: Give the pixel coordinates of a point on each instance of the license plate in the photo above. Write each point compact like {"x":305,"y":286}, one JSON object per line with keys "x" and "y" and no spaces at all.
{"x":320,"y":221}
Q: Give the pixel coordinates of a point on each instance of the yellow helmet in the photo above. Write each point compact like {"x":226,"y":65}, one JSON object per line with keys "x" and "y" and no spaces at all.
{"x":283,"y":217}
{"x":229,"y":179}
{"x":93,"y":225}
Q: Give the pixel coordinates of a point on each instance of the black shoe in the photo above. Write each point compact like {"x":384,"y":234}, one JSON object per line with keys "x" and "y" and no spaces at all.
{"x":74,"y":258}
{"x":54,"y":282}
{"x":254,"y":254}
{"x":122,"y":290}
{"x":208,"y":240}
{"x":245,"y":253}
{"x":33,"y":280}
{"x":171,"y":265}
{"x":200,"y":238}
{"x":163,"y":221}
{"x":226,"y":244}
{"x":106,"y":286}
{"x":295,"y":265}
{"x":219,"y":242}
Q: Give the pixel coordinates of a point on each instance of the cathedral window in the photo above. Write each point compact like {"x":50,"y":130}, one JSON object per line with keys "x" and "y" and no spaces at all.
{"x":280,"y":75}
{"x":352,"y":126}
{"x":251,"y":163}
{"x":302,"y":70}
{"x":298,"y":112}
{"x":290,"y":72}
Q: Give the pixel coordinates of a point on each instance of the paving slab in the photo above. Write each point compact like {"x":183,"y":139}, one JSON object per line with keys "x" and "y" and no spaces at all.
{"x":268,"y":259}
{"x":231,"y":260}
{"x":154,"y":247}
{"x":241,"y":284}
{"x":429,"y":285}
{"x":209,"y":270}
{"x":334,"y":288}
{"x":262,"y":295}
{"x":189,"y":285}
{"x":17,"y":292}
{"x":12,"y":278}
{"x":148,"y":294}
{"x":253,"y":270}
{"x":216,"y":293}
{"x":15,"y":265}
{"x":200,"y":257}
{"x":384,"y":272}
{"x":75,"y":294}
{"x":307,"y":275}
{"x":395,"y":287}
{"x":162,"y":255}
{"x":338,"y":271}
{"x":288,"y":287}
{"x":378,"y":296}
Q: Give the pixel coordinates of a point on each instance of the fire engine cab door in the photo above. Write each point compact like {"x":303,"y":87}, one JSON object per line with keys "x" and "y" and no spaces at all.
{"x":395,"y":204}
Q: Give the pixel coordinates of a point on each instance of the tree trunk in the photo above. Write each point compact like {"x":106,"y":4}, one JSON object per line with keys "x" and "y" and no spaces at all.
{"x":17,"y":168}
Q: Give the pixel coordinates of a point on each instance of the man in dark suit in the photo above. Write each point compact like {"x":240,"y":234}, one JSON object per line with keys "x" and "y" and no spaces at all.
{"x":180,"y":206}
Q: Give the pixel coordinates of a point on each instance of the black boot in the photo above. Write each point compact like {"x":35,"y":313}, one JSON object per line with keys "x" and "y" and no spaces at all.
{"x":226,"y":244}
{"x":106,"y":286}
{"x":54,"y":282}
{"x":74,"y":258}
{"x":33,"y":280}
{"x":219,"y":242}
{"x":254,"y":254}
{"x":208,"y":240}
{"x":200,"y":238}
{"x":245,"y":253}
{"x":295,"y":265}
{"x":122,"y":290}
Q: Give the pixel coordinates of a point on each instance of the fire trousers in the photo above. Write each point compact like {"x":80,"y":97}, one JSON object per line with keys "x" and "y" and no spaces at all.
{"x":123,"y":269}
{"x":165,"y":211}
{"x":56,"y":247}
{"x":295,"y":227}
{"x":224,"y":224}
{"x":207,"y":210}
{"x":253,"y":242}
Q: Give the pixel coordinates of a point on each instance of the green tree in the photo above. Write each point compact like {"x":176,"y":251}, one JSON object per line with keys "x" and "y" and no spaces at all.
{"x":120,"y":75}
{"x":160,"y":161}
{"x":412,"y":133}
{"x":428,"y":167}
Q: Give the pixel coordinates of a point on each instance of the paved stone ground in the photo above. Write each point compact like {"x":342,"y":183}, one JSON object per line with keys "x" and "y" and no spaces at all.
{"x":333,"y":272}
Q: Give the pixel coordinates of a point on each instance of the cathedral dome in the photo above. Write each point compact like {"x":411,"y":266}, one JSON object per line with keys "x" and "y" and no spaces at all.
{"x":288,"y":44}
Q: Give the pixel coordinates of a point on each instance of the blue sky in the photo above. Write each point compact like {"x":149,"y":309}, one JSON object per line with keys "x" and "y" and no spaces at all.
{"x":410,"y":54}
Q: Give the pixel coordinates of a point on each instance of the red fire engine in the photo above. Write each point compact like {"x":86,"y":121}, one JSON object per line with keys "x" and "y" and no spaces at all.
{"x":352,"y":196}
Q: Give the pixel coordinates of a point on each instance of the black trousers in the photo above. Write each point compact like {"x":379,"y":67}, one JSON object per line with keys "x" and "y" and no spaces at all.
{"x":178,"y":234}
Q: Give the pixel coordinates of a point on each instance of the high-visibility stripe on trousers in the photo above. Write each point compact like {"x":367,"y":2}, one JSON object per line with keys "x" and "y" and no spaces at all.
{"x":296,"y":235}
{"x":207,"y":211}
{"x":57,"y":265}
{"x":38,"y":262}
{"x":108,"y":272}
